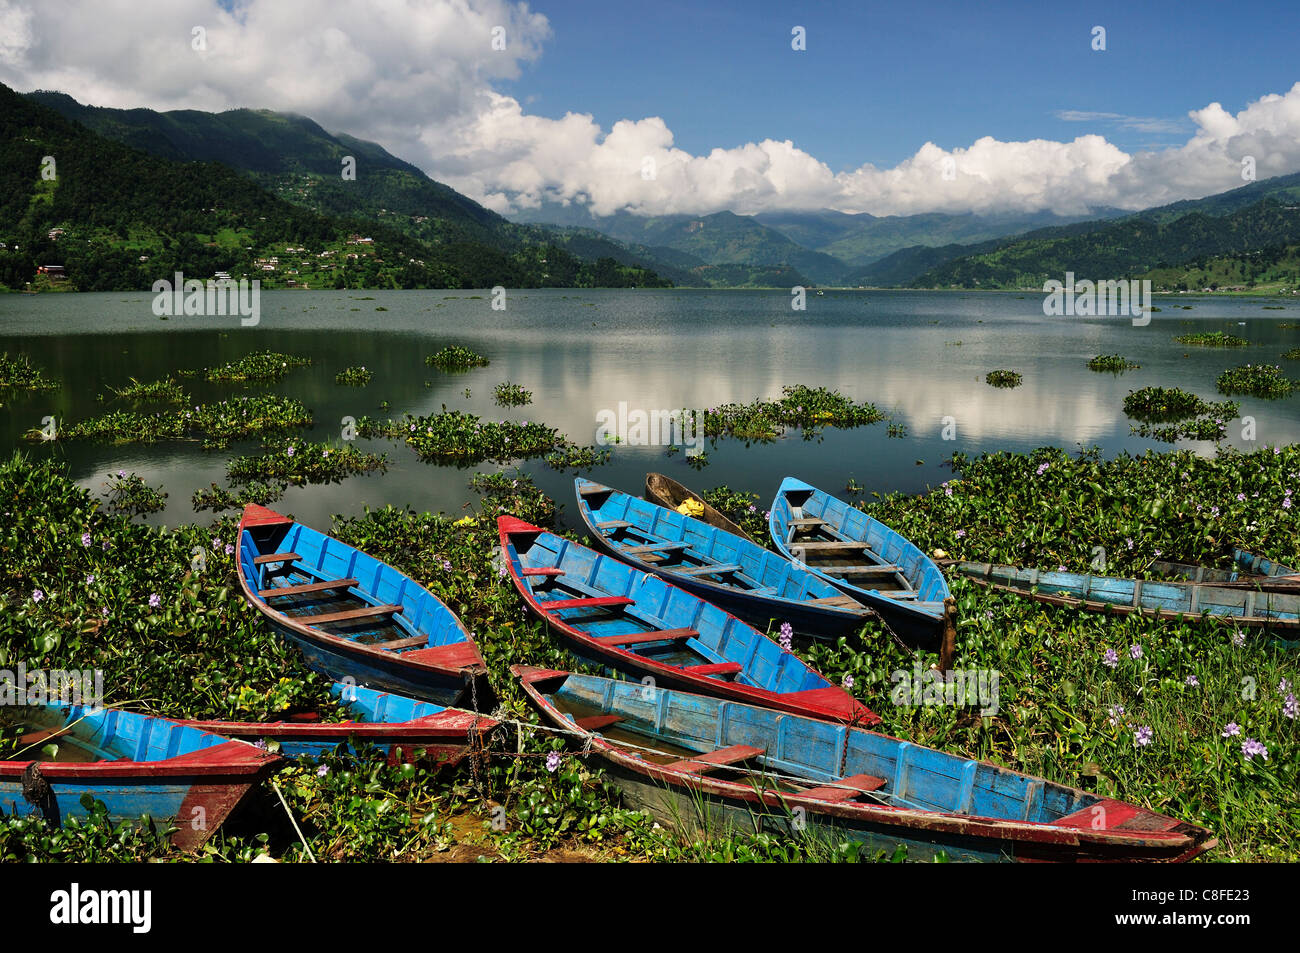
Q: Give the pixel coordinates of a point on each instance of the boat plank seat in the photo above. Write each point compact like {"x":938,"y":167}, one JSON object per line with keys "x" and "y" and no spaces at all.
{"x":882,"y":569}
{"x":597,"y":722}
{"x":720,"y":758}
{"x":349,"y":615}
{"x":641,"y":638}
{"x":842,"y":602}
{"x":453,"y":655}
{"x":654,"y":547}
{"x":309,"y":587}
{"x":613,"y":524}
{"x":594,"y":490}
{"x":275,"y":558}
{"x":719,"y":568}
{"x":542,"y":571}
{"x":807,"y":521}
{"x":394,"y":644}
{"x":818,"y":544}
{"x":715,"y":668}
{"x":846,"y":788}
{"x":554,"y":605}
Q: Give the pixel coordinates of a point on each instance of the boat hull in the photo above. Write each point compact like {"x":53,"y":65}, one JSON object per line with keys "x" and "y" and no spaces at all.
{"x":667,"y":492}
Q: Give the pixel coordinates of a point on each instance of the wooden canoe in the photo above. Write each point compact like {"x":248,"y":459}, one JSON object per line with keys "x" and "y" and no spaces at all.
{"x":667,"y":492}
{"x":1249,"y":566}
{"x":632,"y":622}
{"x":137,"y":765}
{"x":681,"y":755}
{"x":356,"y":619}
{"x":1250,"y":602}
{"x":406,"y":728}
{"x":863,"y":557}
{"x":744,"y":578}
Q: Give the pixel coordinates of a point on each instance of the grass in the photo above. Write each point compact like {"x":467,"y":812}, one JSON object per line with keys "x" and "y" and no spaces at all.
{"x":19,"y":373}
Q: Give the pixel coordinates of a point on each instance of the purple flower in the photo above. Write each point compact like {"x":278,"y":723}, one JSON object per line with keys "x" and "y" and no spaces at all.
{"x":103,"y":610}
{"x":959,"y":534}
{"x":105,"y":545}
{"x":1110,"y":659}
{"x":122,"y":473}
{"x":446,"y":565}
{"x":1192,"y":681}
{"x":216,"y":544}
{"x":90,"y":579}
{"x":230,"y":549}
{"x":37,"y":595}
{"x":1238,"y":638}
{"x":260,"y":743}
{"x":154,"y":601}
{"x":552,"y":761}
{"x":848,"y":681}
{"x":289,"y":451}
{"x":1283,"y":687}
{"x":1250,"y":747}
{"x":947,"y":490}
{"x":787,"y":635}
{"x":753,"y":508}
{"x":1142,"y":737}
{"x":1231,"y":729}
{"x":322,"y":771}
{"x":501,"y":572}
{"x":1042,"y":468}
{"x":1135,"y":650}
{"x":85,"y":539}
{"x":1116,"y":712}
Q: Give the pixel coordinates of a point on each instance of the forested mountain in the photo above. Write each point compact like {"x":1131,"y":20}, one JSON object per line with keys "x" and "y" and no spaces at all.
{"x":117,"y":218}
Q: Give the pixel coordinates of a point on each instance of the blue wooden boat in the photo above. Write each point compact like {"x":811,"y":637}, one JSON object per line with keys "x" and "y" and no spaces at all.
{"x":753,"y":582}
{"x":1258,"y":601}
{"x":355,"y":618}
{"x":137,"y":765}
{"x":632,"y":622}
{"x":863,"y":557}
{"x":407,"y":728}
{"x":713,"y":763}
{"x":1248,"y":566}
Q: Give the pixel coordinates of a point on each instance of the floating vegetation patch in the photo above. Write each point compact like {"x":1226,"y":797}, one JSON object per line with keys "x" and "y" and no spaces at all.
{"x":570,"y":456}
{"x":739,"y":507}
{"x":466,"y":438}
{"x":219,"y":499}
{"x":456,"y":358}
{"x":799,"y":406}
{"x":217,"y":424}
{"x":19,"y":373}
{"x":1158,"y":405}
{"x":165,"y":391}
{"x":259,"y":367}
{"x":1212,"y":339}
{"x":1114,"y":363}
{"x":1258,"y":380}
{"x":356,"y":376}
{"x":130,"y":495}
{"x":1002,"y":378}
{"x":298,"y":461}
{"x":511,"y":395}
{"x":513,"y":493}
{"x":1293,"y":354}
{"x":897,"y":430}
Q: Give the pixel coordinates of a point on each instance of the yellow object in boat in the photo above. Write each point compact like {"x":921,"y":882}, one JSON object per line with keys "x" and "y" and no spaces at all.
{"x":691,"y":508}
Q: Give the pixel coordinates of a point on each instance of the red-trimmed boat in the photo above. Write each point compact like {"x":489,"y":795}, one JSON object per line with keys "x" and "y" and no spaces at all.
{"x":636,"y":623}
{"x":356,"y":619}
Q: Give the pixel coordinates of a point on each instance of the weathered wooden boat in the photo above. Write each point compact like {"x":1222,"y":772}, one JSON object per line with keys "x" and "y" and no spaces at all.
{"x":667,"y":492}
{"x":137,"y":765}
{"x":1271,"y":602}
{"x":864,"y":558}
{"x":632,"y":622}
{"x":749,"y":580}
{"x":408,"y":729}
{"x":708,"y":762}
{"x":1249,"y":566}
{"x":355,"y":618}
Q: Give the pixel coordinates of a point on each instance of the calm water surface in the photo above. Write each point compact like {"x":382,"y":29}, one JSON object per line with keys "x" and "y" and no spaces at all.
{"x":920,"y":356}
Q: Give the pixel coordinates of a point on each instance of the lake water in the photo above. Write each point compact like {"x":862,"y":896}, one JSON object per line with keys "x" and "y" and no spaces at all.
{"x":582,"y":352}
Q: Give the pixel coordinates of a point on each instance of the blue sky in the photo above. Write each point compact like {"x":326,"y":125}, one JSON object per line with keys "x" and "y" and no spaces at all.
{"x":877,"y":80}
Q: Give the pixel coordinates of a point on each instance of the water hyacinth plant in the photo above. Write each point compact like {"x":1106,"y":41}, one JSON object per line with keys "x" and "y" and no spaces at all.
{"x":456,"y":358}
{"x":19,"y":373}
{"x":1114,"y":363}
{"x":356,"y":376}
{"x":809,"y":408}
{"x":1002,"y":378}
{"x":298,"y":461}
{"x":466,"y":438}
{"x":511,"y":395}
{"x":1258,"y":380}
{"x":1212,"y":339}
{"x":165,"y":391}
{"x":259,"y":367}
{"x":216,"y":424}
{"x":130,"y":494}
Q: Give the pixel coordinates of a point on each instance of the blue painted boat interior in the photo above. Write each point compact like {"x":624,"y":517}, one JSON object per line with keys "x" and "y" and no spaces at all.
{"x":811,"y":751}
{"x":812,"y":525}
{"x":657,"y":606}
{"x":626,"y":521}
{"x":368,"y":705}
{"x":107,"y":734}
{"x":323,"y":558}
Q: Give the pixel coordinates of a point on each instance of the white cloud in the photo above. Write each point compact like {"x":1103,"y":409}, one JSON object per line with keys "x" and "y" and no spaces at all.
{"x":421,"y":78}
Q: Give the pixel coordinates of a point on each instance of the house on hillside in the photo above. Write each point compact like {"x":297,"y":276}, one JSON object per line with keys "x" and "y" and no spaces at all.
{"x":53,"y":272}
